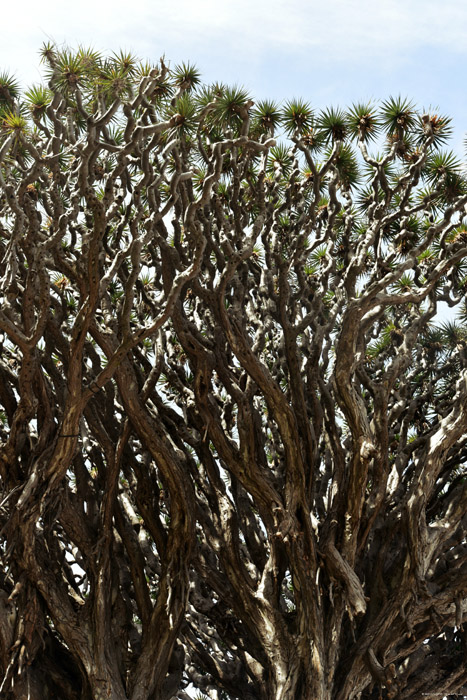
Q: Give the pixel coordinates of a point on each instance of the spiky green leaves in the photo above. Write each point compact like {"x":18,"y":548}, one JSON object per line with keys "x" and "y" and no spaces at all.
{"x":318,"y":258}
{"x":126,"y":62}
{"x":313,"y":139}
{"x":185,"y":109}
{"x":280,"y":160}
{"x":208,"y":114}
{"x":366,"y":197}
{"x":115,"y":80}
{"x":68,"y":72}
{"x":186,"y":76}
{"x":37,"y":99}
{"x":435,"y":126}
{"x":404,"y":284}
{"x":453,"y":335}
{"x":266,"y":117}
{"x":462,"y":313}
{"x":346,"y":164}
{"x":398,"y":116}
{"x":363,"y":122}
{"x":208,"y":94}
{"x":442,"y":164}
{"x":9,"y":90}
{"x":13,"y":124}
{"x":86,"y":70}
{"x":230,"y":106}
{"x":444,"y":169}
{"x":333,"y":125}
{"x":112,"y":77}
{"x":297,"y":117}
{"x":162,"y":90}
{"x":47,"y":53}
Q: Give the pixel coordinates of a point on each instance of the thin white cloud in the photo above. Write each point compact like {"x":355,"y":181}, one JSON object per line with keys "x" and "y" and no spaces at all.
{"x":361,"y":27}
{"x":242,"y":30}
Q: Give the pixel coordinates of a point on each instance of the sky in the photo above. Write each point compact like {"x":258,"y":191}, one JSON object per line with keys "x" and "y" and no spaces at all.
{"x":332,"y":52}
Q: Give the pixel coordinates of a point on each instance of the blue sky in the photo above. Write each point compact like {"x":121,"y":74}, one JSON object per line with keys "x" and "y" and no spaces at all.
{"x":330,"y":53}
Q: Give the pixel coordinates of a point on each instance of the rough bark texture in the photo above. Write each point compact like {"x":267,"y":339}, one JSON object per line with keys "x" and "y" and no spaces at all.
{"x":233,"y":425}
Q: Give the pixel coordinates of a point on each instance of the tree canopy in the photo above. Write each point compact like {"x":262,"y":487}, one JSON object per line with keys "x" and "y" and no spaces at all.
{"x":233,"y":392}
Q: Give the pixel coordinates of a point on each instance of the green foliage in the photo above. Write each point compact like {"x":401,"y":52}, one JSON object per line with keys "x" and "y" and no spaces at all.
{"x":313,"y":139}
{"x":297,"y":117}
{"x":347,"y":166}
{"x":454,"y":335}
{"x":126,"y":62}
{"x":229,"y":105}
{"x":13,"y":123}
{"x":462,"y":312}
{"x":114,"y":80}
{"x":398,"y":116}
{"x":9,"y":89}
{"x":68,"y":71}
{"x":333,"y":125}
{"x":363,"y":122}
{"x":37,"y":99}
{"x":318,"y":258}
{"x":441,"y":165}
{"x":378,"y":347}
{"x":404,"y":284}
{"x":280,"y":159}
{"x":185,"y":108}
{"x":435,"y":125}
{"x":266,"y":117}
{"x":47,"y":52}
{"x":186,"y":76}
{"x":365,"y":198}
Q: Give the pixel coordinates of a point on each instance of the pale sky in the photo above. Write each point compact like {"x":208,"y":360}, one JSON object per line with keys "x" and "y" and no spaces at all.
{"x":329,"y":53}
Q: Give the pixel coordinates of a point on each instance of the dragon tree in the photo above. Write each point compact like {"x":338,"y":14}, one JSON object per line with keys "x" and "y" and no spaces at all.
{"x":233,"y":392}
